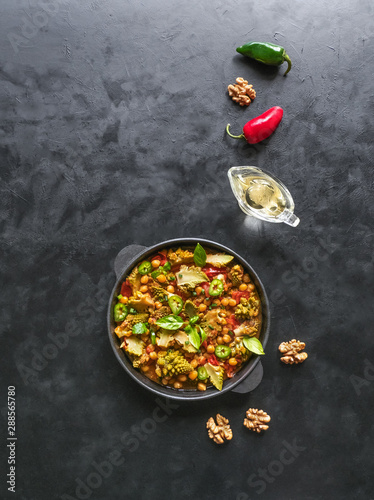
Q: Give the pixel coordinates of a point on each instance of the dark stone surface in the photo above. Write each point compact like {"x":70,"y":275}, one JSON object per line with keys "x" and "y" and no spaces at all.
{"x":112,"y":133}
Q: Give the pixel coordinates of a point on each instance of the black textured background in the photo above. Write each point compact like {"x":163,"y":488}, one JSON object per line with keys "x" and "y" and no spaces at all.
{"x":112,"y":133}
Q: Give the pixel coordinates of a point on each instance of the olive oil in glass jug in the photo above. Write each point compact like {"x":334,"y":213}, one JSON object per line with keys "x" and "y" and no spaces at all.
{"x":262,"y":195}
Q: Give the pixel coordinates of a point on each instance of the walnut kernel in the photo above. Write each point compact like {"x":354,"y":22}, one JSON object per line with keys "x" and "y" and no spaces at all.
{"x":221,"y":431}
{"x":242,"y":92}
{"x":291,"y":352}
{"x":256,"y":420}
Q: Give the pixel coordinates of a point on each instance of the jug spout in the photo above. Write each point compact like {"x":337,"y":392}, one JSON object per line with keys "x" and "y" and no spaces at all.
{"x":289,"y":218}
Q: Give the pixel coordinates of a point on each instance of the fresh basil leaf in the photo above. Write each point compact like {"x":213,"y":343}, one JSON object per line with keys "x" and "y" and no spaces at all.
{"x":203,"y":334}
{"x":170,"y":322}
{"x":193,"y":336}
{"x":194,"y":320}
{"x":253,"y":345}
{"x":139,"y":329}
{"x":199,"y":256}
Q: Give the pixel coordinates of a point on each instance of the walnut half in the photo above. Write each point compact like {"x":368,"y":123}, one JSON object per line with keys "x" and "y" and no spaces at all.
{"x":291,"y":352}
{"x":256,"y":420}
{"x":219,"y":431}
{"x":242,"y":92}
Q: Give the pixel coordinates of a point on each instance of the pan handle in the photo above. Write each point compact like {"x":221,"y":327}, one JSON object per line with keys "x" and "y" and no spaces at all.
{"x":125,"y":256}
{"x":251,"y":382}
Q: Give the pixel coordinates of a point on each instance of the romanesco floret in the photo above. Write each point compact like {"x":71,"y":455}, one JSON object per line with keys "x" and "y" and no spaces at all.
{"x":160,"y":313}
{"x":141,"y":360}
{"x":247,"y":308}
{"x":159,"y":293}
{"x":140,"y":301}
{"x":134,"y":345}
{"x":243,"y":310}
{"x":236,"y":275}
{"x":130,"y":321}
{"x":180,"y":257}
{"x":134,"y":280}
{"x":172,"y":363}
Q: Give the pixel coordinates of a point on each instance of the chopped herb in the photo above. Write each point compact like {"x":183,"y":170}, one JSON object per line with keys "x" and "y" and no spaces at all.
{"x":180,"y":275}
{"x":133,"y":311}
{"x":139,"y":329}
{"x":214,"y":305}
{"x":166,"y":266}
{"x":211,"y":327}
{"x":231,"y":332}
{"x":194,"y":293}
{"x":187,"y":342}
{"x":171,"y":278}
{"x":119,"y":296}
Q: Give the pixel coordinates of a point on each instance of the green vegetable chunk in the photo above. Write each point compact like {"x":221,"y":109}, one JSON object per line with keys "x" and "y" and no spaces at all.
{"x":153,"y":337}
{"x":190,"y":309}
{"x":139,"y":329}
{"x":253,"y":345}
{"x":167,"y":266}
{"x":202,"y":374}
{"x":219,"y":259}
{"x":222,"y":351}
{"x":189,"y":277}
{"x":199,"y":256}
{"x":134,"y":346}
{"x":145,"y":267}
{"x":170,"y":322}
{"x":216,"y":288}
{"x":267,"y":53}
{"x":215,"y":375}
{"x":193,"y":336}
{"x":176,"y":304}
{"x":120,"y":312}
{"x":172,"y":363}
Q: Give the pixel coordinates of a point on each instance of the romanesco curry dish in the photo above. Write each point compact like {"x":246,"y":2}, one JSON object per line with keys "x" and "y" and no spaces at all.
{"x":189,"y":318}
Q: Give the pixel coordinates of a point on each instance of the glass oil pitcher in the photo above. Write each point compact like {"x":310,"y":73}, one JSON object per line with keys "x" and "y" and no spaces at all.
{"x":262,"y":195}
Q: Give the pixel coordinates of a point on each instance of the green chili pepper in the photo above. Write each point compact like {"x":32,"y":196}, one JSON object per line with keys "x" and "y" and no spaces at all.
{"x":153,"y":337}
{"x":145,"y":267}
{"x":120,"y":312}
{"x":216,"y":288}
{"x":202,"y":374}
{"x":222,"y":351}
{"x":267,"y":53}
{"x":176,"y":304}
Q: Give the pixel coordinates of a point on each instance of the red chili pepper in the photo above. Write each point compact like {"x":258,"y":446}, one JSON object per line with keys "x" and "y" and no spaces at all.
{"x":229,"y":370}
{"x":260,"y":128}
{"x":205,"y":286}
{"x":181,"y":294}
{"x":126,"y":290}
{"x":233,"y":322}
{"x":213,"y":360}
{"x":161,"y":257}
{"x":238,"y":295}
{"x":212,"y":271}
